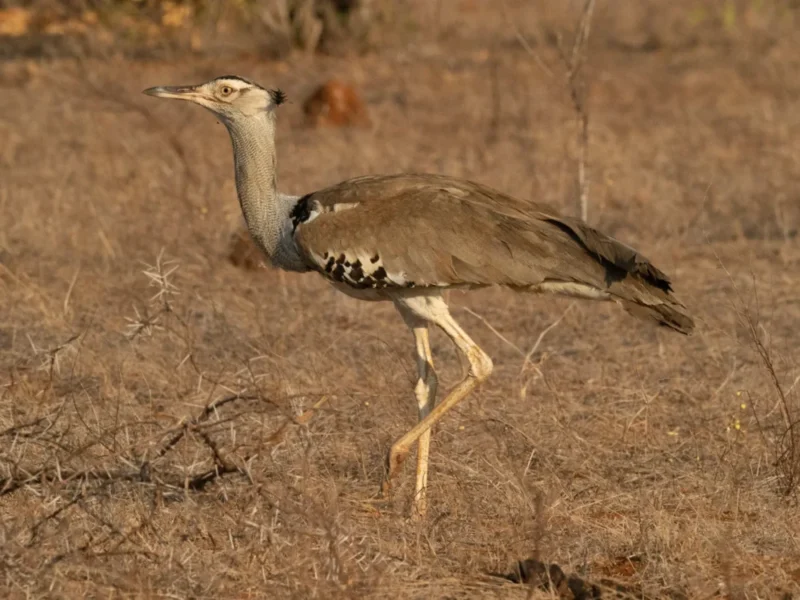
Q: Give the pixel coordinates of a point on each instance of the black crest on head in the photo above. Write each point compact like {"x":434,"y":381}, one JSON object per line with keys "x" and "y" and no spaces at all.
{"x":237,"y":78}
{"x":278,"y":97}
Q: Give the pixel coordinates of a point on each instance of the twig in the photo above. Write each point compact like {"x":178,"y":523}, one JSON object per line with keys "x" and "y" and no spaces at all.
{"x":573,"y":64}
{"x":70,"y":288}
{"x":578,"y":56}
{"x":577,"y":90}
{"x":180,"y":431}
{"x":17,"y":429}
{"x":494,"y":331}
{"x":787,"y":453}
{"x":544,"y":332}
{"x":524,"y":42}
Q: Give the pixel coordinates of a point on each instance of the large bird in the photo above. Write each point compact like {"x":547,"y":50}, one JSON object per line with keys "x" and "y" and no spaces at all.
{"x":407,"y":238}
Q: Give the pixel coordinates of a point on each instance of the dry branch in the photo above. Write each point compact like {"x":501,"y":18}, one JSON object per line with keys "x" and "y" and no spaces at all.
{"x":576,"y":83}
{"x":573,"y":63}
{"x":21,"y":477}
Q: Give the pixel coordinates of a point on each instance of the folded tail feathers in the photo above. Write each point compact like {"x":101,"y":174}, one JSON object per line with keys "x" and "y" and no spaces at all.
{"x":672,"y":315}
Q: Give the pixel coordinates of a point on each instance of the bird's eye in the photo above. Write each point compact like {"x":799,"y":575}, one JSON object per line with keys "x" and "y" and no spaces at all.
{"x":226,"y":90}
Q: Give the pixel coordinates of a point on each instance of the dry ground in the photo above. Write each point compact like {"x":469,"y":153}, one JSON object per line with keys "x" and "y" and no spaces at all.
{"x":615,"y":450}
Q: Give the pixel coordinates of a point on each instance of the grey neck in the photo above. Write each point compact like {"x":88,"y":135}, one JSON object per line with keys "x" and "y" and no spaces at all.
{"x":266,"y":212}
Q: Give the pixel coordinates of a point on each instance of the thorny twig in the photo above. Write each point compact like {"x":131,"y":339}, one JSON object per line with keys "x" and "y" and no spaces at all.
{"x":114,"y":531}
{"x":52,"y":356}
{"x":160,"y":276}
{"x":179,"y":432}
{"x":68,"y":486}
{"x":143,"y":474}
{"x":787,"y":452}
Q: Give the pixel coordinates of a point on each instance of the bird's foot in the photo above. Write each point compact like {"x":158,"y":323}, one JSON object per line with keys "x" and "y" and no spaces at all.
{"x":420,"y":509}
{"x":397,"y":456}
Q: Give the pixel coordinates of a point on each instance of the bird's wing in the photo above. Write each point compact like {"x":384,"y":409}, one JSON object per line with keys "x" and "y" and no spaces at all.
{"x":427,"y":230}
{"x":406,"y":231}
{"x":399,"y":232}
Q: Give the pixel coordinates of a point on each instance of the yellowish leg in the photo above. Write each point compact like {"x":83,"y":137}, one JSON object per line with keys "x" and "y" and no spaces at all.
{"x":425,"y":391}
{"x":432,"y":308}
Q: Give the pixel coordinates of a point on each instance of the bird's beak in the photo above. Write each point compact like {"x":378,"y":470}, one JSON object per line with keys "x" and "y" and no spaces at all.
{"x":176,"y":92}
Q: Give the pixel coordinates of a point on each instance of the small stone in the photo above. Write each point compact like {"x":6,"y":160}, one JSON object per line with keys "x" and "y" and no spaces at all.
{"x":242,"y":251}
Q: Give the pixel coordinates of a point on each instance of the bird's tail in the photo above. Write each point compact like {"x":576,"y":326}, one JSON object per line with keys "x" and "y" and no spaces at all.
{"x":629,"y":278}
{"x":667,"y":312}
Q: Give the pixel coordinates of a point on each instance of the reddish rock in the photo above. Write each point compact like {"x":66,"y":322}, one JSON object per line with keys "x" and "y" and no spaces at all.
{"x":337,"y":104}
{"x":242,"y":251}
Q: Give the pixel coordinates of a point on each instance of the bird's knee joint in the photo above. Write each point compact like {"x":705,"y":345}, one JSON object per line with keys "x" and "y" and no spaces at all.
{"x":481,"y":364}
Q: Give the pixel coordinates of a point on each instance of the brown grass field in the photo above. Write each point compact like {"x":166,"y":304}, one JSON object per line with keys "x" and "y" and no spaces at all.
{"x":153,"y":439}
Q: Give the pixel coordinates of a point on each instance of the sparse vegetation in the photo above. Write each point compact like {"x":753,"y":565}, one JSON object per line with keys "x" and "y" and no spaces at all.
{"x":174,"y":426}
{"x":780,"y":426}
{"x":268,"y":28}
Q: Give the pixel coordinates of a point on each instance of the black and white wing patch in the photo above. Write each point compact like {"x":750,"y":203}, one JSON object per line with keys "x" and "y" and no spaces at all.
{"x":360,"y":270}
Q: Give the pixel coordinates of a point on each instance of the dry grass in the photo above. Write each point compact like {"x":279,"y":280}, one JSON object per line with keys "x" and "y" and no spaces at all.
{"x":153,"y":397}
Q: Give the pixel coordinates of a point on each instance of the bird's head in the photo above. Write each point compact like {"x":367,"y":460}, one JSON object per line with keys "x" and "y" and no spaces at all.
{"x":231,"y":98}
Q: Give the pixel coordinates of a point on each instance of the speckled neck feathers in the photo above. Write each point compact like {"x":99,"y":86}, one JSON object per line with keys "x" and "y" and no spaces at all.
{"x":265,"y":210}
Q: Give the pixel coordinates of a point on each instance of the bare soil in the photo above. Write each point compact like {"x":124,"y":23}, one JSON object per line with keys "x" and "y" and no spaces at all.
{"x":154,"y":425}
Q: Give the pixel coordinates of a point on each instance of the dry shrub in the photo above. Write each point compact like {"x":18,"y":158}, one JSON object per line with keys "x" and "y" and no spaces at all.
{"x":776,"y":408}
{"x":331,"y":26}
{"x":270,"y":28}
{"x":79,"y":444}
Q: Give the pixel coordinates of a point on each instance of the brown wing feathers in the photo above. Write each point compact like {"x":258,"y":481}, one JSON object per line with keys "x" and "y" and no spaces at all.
{"x":641,"y":288}
{"x":612,"y":254}
{"x":429,"y":230}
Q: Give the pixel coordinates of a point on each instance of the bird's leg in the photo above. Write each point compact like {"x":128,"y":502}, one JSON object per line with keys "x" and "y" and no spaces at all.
{"x":426,"y":397}
{"x":434,"y":309}
{"x":425,"y":391}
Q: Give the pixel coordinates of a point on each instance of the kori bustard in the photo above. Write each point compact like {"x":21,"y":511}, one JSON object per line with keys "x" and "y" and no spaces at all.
{"x":407,"y":238}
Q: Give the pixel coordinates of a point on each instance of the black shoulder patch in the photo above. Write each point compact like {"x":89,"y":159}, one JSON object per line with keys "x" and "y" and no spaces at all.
{"x":301,"y":212}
